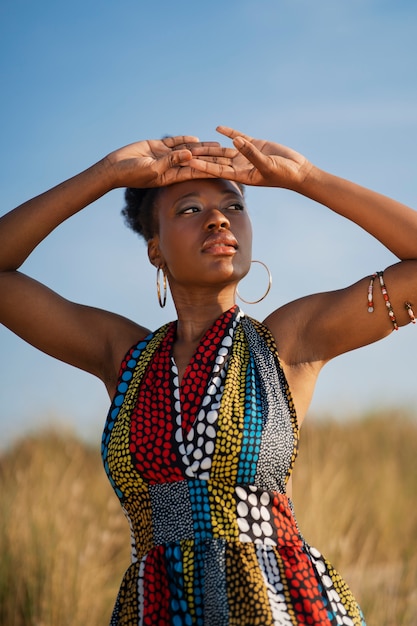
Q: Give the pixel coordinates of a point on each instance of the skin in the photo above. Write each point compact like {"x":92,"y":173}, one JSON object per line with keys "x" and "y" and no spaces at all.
{"x":204,"y":245}
{"x":312,"y":330}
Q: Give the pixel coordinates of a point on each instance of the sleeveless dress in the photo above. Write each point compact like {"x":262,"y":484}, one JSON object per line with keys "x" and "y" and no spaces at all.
{"x":200,"y":470}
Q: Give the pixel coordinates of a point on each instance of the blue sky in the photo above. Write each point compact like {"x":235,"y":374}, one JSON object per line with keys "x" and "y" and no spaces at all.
{"x":334,"y":79}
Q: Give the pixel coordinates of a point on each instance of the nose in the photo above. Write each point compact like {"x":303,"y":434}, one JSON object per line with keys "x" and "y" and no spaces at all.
{"x":217,"y":220}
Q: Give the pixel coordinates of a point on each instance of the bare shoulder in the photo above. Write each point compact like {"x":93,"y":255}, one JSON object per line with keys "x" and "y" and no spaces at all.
{"x":312,"y":330}
{"x":320,"y":327}
{"x":121,"y":334}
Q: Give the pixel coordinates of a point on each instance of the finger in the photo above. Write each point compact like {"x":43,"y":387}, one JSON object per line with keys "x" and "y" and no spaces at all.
{"x":216,"y":159}
{"x":203,"y":145}
{"x":182,"y":174}
{"x":172,"y":160}
{"x":218,"y":170}
{"x":211,"y":151}
{"x":255,"y":156}
{"x":177,"y":140}
{"x":232,"y":133}
{"x":192,"y":173}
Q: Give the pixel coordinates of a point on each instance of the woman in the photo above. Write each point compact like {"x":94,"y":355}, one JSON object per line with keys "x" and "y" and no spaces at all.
{"x":202,"y":432}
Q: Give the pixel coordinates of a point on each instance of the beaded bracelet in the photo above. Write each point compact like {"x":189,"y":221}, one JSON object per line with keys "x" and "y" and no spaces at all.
{"x":384,"y":292}
{"x":408,"y":307}
{"x":370,"y":294}
{"x":391,"y":314}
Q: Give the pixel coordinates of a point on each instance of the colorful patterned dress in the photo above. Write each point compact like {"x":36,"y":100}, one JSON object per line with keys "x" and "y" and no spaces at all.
{"x":200,"y":469}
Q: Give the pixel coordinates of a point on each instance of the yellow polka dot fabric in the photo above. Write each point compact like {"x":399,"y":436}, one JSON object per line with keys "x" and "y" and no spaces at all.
{"x":200,"y":468}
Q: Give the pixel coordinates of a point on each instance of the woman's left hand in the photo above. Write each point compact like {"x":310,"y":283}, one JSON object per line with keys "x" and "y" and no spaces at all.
{"x":252,"y":162}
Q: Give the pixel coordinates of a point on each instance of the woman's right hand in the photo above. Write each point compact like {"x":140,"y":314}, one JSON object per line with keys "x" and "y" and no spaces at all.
{"x":253,"y":162}
{"x":155,"y":163}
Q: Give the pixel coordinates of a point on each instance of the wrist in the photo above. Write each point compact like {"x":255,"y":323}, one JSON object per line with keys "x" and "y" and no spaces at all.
{"x":310,"y":181}
{"x":106,"y":171}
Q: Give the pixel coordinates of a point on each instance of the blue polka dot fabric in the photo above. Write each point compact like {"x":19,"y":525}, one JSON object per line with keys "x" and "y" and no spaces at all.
{"x":200,"y":467}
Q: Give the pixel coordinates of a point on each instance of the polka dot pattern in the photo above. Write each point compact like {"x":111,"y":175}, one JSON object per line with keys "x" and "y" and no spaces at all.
{"x":216,"y":606}
{"x":247,"y":592}
{"x":197,"y":374}
{"x":172,"y":517}
{"x":196,"y":431}
{"x":278,"y":448}
{"x":116,"y":436}
{"x":129,"y":603}
{"x":341,"y":600}
{"x":151,"y":447}
{"x":276,"y":587}
{"x":200,"y":504}
{"x":265,"y":518}
{"x":252,"y":427}
{"x":156,"y":591}
{"x":200,"y":468}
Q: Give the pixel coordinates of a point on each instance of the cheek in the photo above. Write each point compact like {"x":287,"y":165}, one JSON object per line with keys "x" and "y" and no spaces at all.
{"x":247,"y":237}
{"x":173,"y":248}
{"x":247,"y":249}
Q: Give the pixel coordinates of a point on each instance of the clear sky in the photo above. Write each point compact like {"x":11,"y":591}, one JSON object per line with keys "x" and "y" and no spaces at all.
{"x":334,"y":79}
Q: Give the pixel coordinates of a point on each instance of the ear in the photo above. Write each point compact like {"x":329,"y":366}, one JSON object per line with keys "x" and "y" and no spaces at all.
{"x":154,"y":253}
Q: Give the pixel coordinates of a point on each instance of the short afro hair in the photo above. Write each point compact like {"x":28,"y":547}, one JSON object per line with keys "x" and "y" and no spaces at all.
{"x":139,"y":211}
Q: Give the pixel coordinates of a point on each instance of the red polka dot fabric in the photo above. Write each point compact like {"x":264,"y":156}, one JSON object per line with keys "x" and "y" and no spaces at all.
{"x":201,"y":469}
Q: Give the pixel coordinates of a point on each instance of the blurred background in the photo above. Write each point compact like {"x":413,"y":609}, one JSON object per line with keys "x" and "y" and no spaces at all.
{"x":334,"y":80}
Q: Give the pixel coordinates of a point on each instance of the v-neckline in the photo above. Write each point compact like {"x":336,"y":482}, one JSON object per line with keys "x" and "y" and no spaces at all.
{"x":192,"y":389}
{"x":224,"y":320}
{"x":196,"y":408}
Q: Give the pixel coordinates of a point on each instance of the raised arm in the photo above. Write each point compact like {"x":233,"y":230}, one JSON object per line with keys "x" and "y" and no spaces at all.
{"x":80,"y":335}
{"x":319,"y":327}
{"x":142,"y":164}
{"x":268,"y":164}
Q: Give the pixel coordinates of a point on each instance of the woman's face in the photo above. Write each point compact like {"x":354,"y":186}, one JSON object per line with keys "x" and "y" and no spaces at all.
{"x":205,"y":234}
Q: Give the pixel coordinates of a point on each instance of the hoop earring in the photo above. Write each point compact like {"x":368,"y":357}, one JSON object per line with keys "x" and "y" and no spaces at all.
{"x":267,"y":290}
{"x":162,"y":301}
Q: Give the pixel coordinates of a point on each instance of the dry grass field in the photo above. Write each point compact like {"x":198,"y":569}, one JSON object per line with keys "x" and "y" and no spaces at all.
{"x":64,"y":542}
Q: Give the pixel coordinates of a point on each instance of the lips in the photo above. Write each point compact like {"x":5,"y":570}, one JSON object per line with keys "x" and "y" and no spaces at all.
{"x":220,"y":242}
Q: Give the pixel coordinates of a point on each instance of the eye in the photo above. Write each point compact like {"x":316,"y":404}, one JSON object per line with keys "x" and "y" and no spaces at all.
{"x":236,"y":206}
{"x":190,"y":209}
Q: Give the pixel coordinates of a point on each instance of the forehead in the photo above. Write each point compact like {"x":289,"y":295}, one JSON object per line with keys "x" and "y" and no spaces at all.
{"x":199,"y":187}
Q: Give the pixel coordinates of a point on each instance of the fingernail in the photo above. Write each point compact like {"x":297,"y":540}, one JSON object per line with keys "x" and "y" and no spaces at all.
{"x":239,"y":142}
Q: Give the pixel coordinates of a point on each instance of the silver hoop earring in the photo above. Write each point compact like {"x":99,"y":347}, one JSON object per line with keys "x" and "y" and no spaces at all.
{"x":162,"y":301}
{"x":267,"y":290}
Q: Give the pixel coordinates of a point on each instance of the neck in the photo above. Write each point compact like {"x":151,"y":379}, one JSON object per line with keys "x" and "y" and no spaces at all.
{"x":195,"y":317}
{"x":198,"y":306}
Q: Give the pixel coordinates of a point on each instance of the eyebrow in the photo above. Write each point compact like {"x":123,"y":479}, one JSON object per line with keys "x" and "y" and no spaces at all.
{"x":197,"y":194}
{"x":192,"y":194}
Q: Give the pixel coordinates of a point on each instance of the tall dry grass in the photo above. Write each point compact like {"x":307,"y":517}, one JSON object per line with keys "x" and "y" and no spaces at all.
{"x":355,"y":494}
{"x":64,"y":542}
